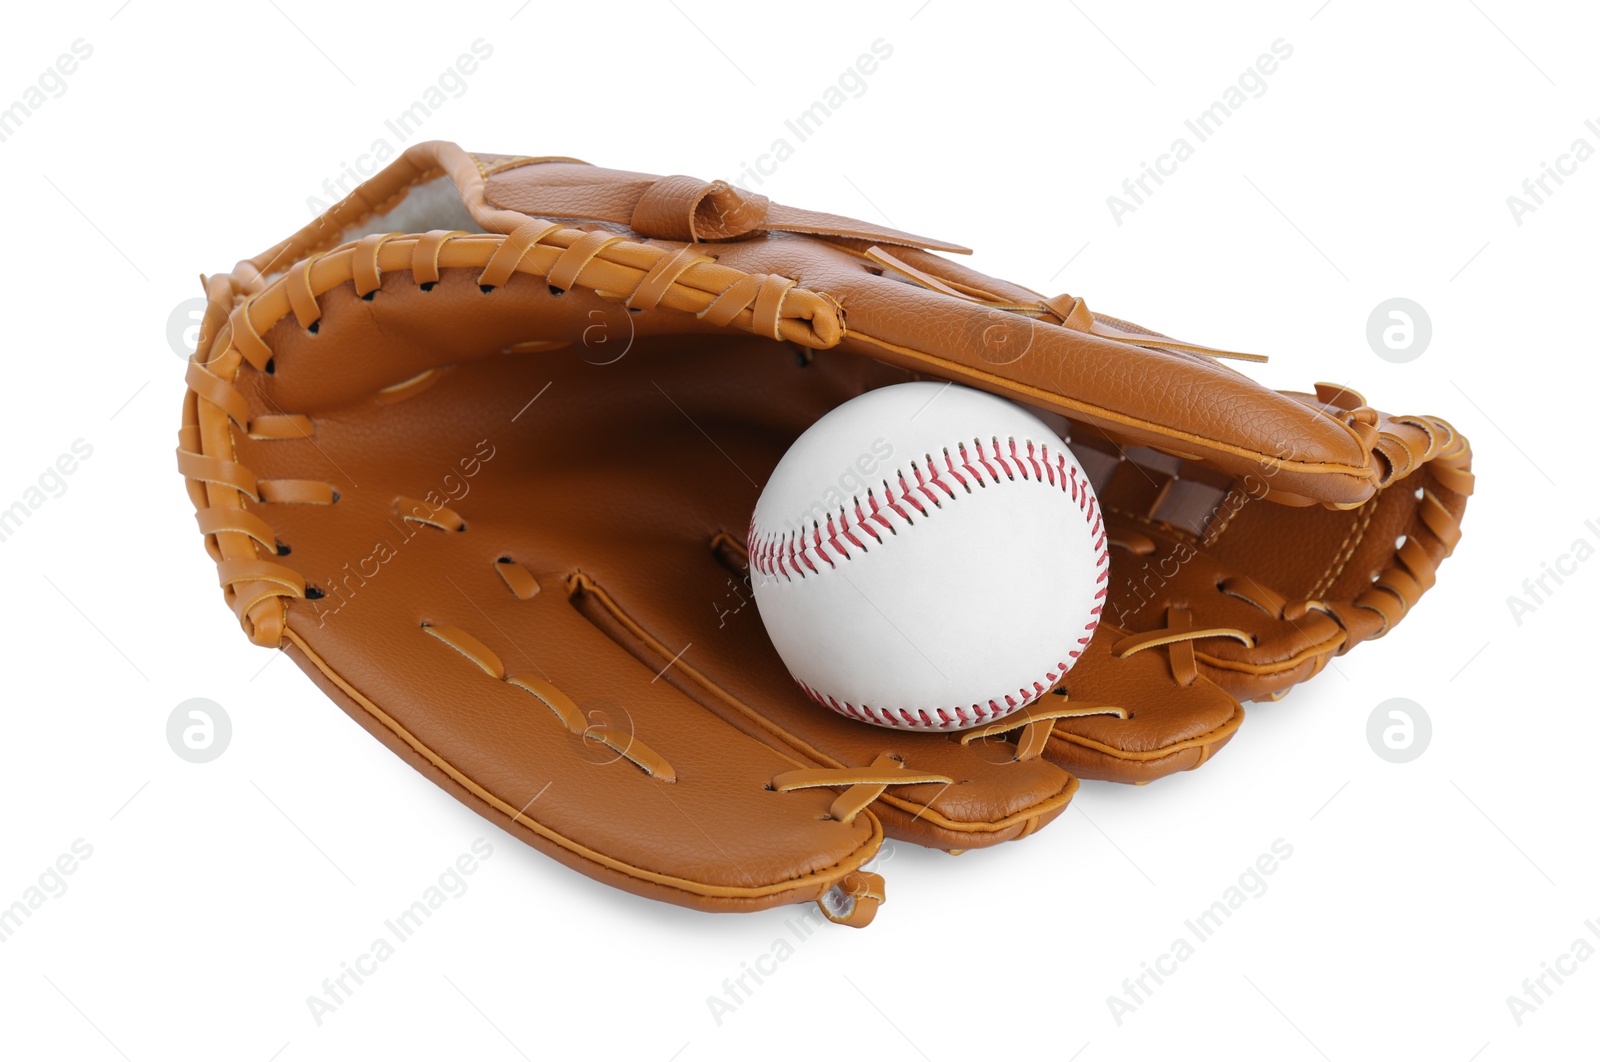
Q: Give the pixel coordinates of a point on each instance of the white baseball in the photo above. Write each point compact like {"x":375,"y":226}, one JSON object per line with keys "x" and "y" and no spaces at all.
{"x":928,"y":556}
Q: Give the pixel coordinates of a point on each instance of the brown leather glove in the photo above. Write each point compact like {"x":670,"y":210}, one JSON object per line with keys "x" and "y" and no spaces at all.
{"x":485,"y":476}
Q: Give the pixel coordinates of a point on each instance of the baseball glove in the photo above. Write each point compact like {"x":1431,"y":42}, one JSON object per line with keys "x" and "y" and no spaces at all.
{"x":478,"y":448}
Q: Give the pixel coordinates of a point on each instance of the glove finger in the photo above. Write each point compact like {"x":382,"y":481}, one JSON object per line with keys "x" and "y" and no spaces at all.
{"x":1300,"y":583}
{"x":430,"y":615}
{"x":1147,"y":714}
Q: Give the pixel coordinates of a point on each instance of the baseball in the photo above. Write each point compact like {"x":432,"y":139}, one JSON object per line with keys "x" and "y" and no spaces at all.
{"x":927,"y":556}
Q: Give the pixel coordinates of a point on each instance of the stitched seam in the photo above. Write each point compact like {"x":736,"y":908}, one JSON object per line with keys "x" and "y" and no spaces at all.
{"x":1213,"y":535}
{"x":789,"y":554}
{"x":1342,"y":555}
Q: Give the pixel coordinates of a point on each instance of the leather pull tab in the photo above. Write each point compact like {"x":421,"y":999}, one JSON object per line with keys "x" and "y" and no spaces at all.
{"x":854,"y":900}
{"x":693,"y":211}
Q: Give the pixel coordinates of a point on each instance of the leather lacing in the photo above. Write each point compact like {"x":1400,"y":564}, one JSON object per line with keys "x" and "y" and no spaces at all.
{"x":429,"y":514}
{"x":852,"y":901}
{"x":1445,"y":462}
{"x":245,"y":305}
{"x":1410,"y":572}
{"x":1036,"y":721}
{"x":1067,"y":310}
{"x":1178,"y":636}
{"x":562,"y":706}
{"x":862,"y":785}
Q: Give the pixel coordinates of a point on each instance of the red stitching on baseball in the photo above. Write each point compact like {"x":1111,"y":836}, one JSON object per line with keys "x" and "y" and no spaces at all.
{"x":965,"y":716}
{"x":844,"y":524}
{"x":982,"y":460}
{"x":769,"y":554}
{"x":777,"y":554}
{"x":804,"y":545}
{"x":950,"y":466}
{"x":906,"y":495}
{"x":933,"y":478}
{"x":861,"y":519}
{"x":1000,"y":459}
{"x":894,"y":507}
{"x":1037,"y":474}
{"x":833,"y":536}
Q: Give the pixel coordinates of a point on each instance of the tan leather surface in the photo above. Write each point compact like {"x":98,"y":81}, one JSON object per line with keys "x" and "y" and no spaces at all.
{"x":490,"y":490}
{"x":1307,"y":582}
{"x":1181,"y":400}
{"x":672,"y":208}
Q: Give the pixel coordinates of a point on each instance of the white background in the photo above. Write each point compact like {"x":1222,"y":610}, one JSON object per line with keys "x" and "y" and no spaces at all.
{"x":1377,"y":164}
